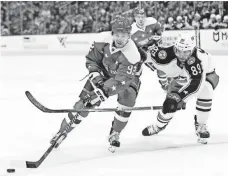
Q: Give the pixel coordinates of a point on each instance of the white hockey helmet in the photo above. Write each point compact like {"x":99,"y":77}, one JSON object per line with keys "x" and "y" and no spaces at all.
{"x":184,"y":46}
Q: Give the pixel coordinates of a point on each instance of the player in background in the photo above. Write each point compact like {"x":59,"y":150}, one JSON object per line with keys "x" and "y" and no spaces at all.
{"x":197,"y":66}
{"x":112,"y":67}
{"x":145,"y":31}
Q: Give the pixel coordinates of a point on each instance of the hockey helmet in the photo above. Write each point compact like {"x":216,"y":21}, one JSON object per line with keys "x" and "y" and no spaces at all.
{"x":184,"y":46}
{"x":121,"y":24}
{"x":139,"y":11}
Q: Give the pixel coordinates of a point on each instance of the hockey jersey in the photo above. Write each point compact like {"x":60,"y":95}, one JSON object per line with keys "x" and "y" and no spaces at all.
{"x":151,"y":31}
{"x":194,"y":70}
{"x":119,"y":66}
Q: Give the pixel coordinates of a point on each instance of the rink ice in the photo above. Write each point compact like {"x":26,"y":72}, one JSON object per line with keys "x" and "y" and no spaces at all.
{"x":54,"y":80}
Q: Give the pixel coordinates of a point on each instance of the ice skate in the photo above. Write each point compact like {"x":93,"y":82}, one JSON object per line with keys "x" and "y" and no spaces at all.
{"x":114,"y":140}
{"x":152,"y":130}
{"x":201,"y":132}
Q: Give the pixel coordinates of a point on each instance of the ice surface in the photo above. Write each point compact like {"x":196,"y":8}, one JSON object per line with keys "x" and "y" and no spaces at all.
{"x":54,"y":80}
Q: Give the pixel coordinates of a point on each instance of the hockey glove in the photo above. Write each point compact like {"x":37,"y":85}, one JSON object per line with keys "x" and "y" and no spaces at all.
{"x":172,"y":103}
{"x":96,"y":79}
{"x":97,"y":96}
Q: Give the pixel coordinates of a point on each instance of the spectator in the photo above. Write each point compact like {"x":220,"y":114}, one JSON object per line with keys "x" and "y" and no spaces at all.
{"x":87,"y":24}
{"x":51,"y":17}
{"x":170,"y":25}
{"x":179,"y":23}
{"x":161,"y":20}
{"x":205,"y":20}
{"x":196,"y":21}
{"x":4,"y":30}
{"x":64,"y":27}
{"x":212,"y":21}
{"x":219,"y":24}
{"x":225,"y":20}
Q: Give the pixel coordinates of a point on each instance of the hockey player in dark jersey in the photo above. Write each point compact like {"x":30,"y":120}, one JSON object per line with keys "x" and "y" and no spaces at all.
{"x":112,"y":67}
{"x":193,"y":74}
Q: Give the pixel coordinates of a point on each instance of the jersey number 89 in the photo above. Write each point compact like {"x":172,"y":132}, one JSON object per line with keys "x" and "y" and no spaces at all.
{"x":196,"y":69}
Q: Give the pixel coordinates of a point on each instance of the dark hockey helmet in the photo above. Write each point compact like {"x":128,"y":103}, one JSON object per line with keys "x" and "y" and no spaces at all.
{"x":121,"y":24}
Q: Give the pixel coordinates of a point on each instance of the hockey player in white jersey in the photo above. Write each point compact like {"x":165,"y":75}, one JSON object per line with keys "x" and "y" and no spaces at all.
{"x":185,"y":60}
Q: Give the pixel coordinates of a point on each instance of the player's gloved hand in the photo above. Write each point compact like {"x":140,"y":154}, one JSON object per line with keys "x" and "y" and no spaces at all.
{"x":97,"y":96}
{"x":172,"y":103}
{"x":97,"y":79}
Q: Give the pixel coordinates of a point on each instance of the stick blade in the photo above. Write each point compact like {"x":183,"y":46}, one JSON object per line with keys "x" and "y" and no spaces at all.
{"x":35,"y":102}
{"x":30,"y":164}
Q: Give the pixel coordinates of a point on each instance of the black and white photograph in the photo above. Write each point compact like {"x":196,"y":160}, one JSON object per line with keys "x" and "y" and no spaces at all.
{"x":114,"y":88}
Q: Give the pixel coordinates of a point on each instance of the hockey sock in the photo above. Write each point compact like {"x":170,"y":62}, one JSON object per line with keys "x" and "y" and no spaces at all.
{"x":203,"y":107}
{"x":120,"y":120}
{"x":163,"y":119}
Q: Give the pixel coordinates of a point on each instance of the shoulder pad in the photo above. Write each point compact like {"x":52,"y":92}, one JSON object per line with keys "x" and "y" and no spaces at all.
{"x":150,"y":20}
{"x":131,"y":52}
{"x":134,"y":28}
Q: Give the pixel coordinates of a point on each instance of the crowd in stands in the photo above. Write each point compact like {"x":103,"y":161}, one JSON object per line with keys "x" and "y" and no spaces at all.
{"x":64,"y":17}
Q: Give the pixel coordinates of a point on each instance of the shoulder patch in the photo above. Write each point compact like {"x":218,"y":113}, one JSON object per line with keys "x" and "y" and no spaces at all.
{"x":162,"y":54}
{"x":191,"y":60}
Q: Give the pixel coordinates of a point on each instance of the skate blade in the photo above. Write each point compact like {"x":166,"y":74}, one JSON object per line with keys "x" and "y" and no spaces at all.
{"x":202,"y":141}
{"x":112,"y":149}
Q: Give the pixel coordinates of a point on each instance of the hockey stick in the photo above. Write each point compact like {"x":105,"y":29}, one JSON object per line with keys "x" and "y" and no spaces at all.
{"x":47,"y":110}
{"x":35,"y":164}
